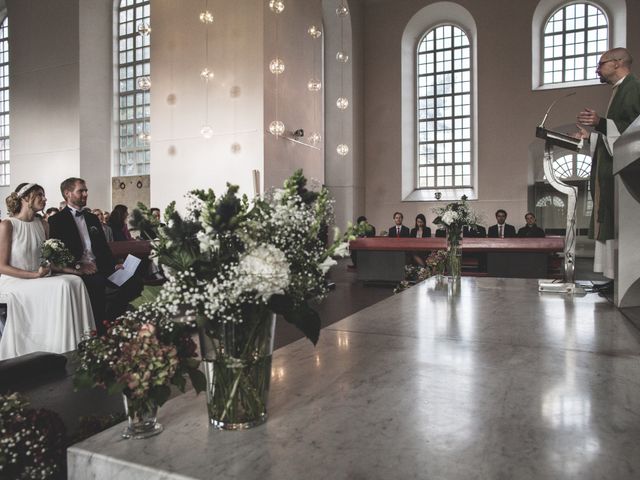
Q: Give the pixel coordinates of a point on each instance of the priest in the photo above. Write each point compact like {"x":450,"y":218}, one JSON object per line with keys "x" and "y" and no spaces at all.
{"x":614,"y":68}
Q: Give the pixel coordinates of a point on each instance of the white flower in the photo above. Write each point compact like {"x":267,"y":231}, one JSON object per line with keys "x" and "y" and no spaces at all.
{"x":342,"y":250}
{"x":327,"y":264}
{"x":206,"y":242}
{"x":265,"y":270}
{"x":449,"y":217}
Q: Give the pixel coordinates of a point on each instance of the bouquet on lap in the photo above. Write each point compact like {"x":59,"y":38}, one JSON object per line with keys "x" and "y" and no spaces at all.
{"x":55,"y":252}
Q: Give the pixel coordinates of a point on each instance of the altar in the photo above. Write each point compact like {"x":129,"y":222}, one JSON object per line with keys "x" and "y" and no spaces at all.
{"x":486,"y":378}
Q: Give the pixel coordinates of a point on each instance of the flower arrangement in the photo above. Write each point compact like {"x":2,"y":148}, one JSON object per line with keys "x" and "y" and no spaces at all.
{"x":226,"y":257}
{"x":231,"y":265}
{"x":434,"y":265}
{"x":55,"y":252}
{"x":32,"y":442}
{"x":454,"y":216}
{"x":141,"y":355}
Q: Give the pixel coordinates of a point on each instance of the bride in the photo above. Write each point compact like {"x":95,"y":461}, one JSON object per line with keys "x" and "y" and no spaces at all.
{"x":44,"y":313}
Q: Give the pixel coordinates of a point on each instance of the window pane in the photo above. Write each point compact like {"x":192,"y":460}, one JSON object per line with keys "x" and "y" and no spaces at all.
{"x":572,"y":35}
{"x":5,"y":176}
{"x":133,"y":57}
{"x":444,"y":108}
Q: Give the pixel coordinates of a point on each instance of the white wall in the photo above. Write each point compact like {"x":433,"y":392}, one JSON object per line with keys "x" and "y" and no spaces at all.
{"x":181,"y":159}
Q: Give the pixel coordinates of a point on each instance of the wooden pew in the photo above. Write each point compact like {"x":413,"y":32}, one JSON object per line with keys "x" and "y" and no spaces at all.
{"x":382,"y":259}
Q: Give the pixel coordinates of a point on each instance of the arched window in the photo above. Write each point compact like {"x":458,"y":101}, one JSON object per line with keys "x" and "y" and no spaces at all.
{"x":439,"y":104}
{"x":572,"y":167}
{"x":575,"y":37}
{"x":444,"y":109}
{"x":568,"y":37}
{"x":134,"y":94}
{"x":5,"y":168}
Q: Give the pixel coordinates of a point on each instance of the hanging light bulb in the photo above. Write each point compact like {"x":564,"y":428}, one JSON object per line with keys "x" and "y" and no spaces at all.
{"x":342,"y":149}
{"x":314,"y":85}
{"x":276,"y":6}
{"x":206,"y":17}
{"x":144,"y":83}
{"x":144,"y":29}
{"x":342,"y":11}
{"x":276,"y":128}
{"x":314,"y":32}
{"x":315,"y":138}
{"x":276,"y":66}
{"x":342,"y":103}
{"x":206,"y":131}
{"x":206,"y":74}
{"x":342,"y":57}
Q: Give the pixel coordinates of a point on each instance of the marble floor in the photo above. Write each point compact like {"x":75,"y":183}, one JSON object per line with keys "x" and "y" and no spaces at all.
{"x":488,"y":379}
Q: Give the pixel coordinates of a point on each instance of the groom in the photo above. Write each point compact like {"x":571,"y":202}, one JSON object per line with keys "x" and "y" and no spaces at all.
{"x":82,"y":233}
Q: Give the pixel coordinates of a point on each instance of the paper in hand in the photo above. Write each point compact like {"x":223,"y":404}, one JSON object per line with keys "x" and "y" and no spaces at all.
{"x":119,"y":277}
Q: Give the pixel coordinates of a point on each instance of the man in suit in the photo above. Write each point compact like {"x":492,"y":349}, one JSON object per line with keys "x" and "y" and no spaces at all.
{"x":501,"y":229}
{"x":399,"y":230}
{"x":82,"y":233}
{"x":531,"y":230}
{"x":614,"y":69}
{"x":478,"y":232}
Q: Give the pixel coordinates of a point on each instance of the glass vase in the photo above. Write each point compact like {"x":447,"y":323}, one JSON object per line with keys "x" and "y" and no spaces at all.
{"x":237,"y":363}
{"x":454,"y":252}
{"x":141,"y":418}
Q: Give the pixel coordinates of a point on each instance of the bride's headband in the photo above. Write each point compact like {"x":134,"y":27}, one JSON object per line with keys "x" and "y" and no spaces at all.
{"x":25,"y":189}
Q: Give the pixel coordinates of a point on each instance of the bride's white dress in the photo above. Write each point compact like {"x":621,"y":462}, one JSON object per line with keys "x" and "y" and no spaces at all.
{"x":48,"y":314}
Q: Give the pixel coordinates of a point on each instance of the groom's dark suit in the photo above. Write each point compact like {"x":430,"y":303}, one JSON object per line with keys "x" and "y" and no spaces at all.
{"x":107,"y":300}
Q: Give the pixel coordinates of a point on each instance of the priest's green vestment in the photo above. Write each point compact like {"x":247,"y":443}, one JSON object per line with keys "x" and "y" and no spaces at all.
{"x":623,"y":110}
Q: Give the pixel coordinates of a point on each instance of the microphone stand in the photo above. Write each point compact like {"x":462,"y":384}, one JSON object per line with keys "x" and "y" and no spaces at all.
{"x":568,"y":142}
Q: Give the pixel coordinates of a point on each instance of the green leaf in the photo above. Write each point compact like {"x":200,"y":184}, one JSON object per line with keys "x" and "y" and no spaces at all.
{"x":302,"y":316}
{"x":161,"y":394}
{"x":115,"y":388}
{"x":148,"y":295}
{"x":83,"y":380}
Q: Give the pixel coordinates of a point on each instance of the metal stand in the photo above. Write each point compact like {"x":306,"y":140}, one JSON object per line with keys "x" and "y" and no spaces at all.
{"x":569,"y":285}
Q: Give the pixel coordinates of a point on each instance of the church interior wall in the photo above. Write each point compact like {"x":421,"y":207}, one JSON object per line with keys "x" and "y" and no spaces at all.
{"x":508,"y":109}
{"x":62,"y":102}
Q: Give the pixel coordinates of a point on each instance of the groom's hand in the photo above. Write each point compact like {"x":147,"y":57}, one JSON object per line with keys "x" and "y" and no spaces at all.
{"x":87,"y":269}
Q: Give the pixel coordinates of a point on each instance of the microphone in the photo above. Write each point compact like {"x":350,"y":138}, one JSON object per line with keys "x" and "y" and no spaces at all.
{"x":544,"y":119}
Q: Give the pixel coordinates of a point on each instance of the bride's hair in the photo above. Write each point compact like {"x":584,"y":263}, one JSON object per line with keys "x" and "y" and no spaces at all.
{"x":14,"y":200}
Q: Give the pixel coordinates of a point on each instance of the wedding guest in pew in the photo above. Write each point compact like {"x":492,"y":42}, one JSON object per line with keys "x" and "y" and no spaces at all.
{"x":50,"y":212}
{"x":477,"y":231}
{"x":501,"y":229}
{"x":44,"y":313}
{"x":398,"y":230}
{"x":118,"y":223}
{"x":530,"y":230}
{"x":420,"y":231}
{"x":82,"y":233}
{"x":368,"y":231}
{"x":108,"y":233}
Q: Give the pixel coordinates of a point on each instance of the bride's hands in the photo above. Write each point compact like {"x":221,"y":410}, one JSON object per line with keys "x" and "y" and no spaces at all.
{"x":42,"y":272}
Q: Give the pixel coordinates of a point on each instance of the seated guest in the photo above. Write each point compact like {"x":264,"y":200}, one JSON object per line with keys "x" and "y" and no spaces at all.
{"x":420,"y":230}
{"x":44,"y":313}
{"x":50,"y":212}
{"x":83,"y":235}
{"x":441,"y":232}
{"x":399,"y":230}
{"x":530,"y":229}
{"x":501,"y":229}
{"x":108,"y":233}
{"x":368,"y":231}
{"x":118,"y":223}
{"x":474,"y":232}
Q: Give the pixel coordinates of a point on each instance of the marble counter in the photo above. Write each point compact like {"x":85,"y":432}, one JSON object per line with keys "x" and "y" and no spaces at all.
{"x":493,"y":381}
